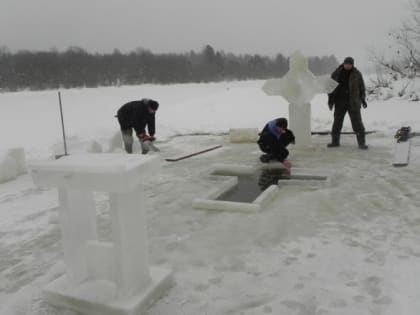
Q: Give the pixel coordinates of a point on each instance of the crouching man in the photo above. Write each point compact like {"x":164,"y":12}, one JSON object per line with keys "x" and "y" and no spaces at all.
{"x":137,"y":115}
{"x":273,"y":140}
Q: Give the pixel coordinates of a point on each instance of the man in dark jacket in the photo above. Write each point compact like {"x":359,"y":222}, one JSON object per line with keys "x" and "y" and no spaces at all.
{"x":348,"y":96}
{"x":137,"y":115}
{"x":273,"y":140}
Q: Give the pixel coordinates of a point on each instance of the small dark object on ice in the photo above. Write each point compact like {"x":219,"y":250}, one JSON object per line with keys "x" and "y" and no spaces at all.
{"x":403,"y":134}
{"x":333,"y":145}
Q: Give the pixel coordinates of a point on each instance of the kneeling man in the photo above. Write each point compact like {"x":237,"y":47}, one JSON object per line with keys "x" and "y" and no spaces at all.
{"x":273,"y":140}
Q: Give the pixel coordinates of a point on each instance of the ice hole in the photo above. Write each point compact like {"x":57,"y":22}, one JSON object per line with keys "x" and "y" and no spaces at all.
{"x":250,"y":188}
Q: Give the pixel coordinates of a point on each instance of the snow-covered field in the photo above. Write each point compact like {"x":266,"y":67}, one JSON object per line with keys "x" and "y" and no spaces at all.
{"x":349,"y":248}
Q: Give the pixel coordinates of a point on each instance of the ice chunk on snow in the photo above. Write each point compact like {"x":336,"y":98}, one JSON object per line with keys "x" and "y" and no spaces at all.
{"x":12,"y":164}
{"x":18,"y":155}
{"x":94,"y":147}
{"x":8,"y":169}
{"x":240,"y":135}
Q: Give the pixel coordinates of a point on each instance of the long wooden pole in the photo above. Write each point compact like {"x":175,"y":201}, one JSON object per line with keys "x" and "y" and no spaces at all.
{"x":62,"y":123}
{"x":325,"y":133}
{"x":193,"y":154}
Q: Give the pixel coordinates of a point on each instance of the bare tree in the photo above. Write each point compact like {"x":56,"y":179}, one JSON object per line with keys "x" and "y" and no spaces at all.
{"x":406,"y":45}
{"x":404,"y":64}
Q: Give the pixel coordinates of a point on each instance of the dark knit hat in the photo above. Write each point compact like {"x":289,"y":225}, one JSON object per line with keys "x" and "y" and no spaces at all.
{"x":153,"y":104}
{"x":281,"y":122}
{"x":349,"y":61}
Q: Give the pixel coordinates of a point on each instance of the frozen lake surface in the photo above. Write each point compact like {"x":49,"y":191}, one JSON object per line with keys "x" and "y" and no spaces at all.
{"x":352,"y":247}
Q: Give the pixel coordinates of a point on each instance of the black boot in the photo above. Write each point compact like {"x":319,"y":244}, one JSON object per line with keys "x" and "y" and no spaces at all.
{"x":128,"y":148}
{"x":265,"y":158}
{"x":335,"y":141}
{"x":361,"y":141}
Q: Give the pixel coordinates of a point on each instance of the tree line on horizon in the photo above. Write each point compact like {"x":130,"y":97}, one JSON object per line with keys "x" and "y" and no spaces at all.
{"x":75,"y":68}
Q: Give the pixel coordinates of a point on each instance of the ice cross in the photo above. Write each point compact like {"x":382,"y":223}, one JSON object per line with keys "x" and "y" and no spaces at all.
{"x":298,"y":87}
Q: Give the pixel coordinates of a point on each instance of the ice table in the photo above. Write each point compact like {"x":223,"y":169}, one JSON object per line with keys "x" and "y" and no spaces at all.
{"x":103,"y":278}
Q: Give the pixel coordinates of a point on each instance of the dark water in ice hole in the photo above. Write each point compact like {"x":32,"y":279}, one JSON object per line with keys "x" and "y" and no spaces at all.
{"x":249,"y":187}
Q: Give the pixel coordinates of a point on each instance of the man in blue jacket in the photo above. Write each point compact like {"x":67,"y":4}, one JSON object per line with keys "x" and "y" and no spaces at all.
{"x":273,"y":140}
{"x":137,"y":115}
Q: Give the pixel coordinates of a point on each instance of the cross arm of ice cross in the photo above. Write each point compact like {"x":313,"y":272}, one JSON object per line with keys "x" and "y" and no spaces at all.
{"x":299,"y":85}
{"x":327,"y":85}
{"x":299,"y":90}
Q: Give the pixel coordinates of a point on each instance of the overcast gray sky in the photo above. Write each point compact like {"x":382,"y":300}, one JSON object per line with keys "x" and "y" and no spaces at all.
{"x":316,"y":27}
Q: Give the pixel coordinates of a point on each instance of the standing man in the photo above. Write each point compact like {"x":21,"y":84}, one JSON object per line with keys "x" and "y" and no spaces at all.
{"x":348,"y":96}
{"x":137,"y":115}
{"x":273,"y":140}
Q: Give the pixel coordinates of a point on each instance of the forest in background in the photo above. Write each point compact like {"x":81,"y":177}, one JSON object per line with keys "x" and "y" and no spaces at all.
{"x":76,"y":68}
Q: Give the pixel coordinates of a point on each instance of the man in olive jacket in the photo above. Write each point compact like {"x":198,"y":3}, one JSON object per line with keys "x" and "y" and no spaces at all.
{"x":137,"y":115}
{"x":348,"y":96}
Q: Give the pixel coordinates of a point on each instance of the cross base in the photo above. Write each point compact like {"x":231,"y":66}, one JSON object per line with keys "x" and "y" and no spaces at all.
{"x":100,"y":297}
{"x":300,"y":124}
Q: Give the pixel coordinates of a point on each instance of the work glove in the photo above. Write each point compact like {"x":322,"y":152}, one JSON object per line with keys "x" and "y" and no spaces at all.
{"x":145,"y":137}
{"x":364,"y":104}
{"x":287,"y":164}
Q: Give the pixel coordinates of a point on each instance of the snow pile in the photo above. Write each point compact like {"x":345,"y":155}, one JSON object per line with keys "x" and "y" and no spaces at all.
{"x":12,"y":164}
{"x":115,"y":142}
{"x":387,"y":87}
{"x":384,"y":93}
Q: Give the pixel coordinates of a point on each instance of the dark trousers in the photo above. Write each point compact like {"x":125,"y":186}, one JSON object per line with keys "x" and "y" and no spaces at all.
{"x":355,"y":118}
{"x":127,"y":135}
{"x":275,"y":151}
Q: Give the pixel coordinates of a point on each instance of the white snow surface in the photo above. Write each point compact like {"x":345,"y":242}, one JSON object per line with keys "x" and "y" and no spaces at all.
{"x":349,"y":248}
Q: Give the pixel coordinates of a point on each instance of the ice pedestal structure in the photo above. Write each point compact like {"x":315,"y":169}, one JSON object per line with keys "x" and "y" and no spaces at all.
{"x":298,"y":87}
{"x":103,"y":278}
